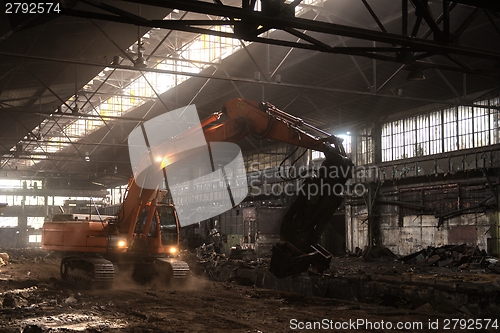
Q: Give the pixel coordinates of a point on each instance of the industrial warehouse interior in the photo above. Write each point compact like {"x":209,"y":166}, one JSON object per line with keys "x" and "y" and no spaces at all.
{"x":250,"y":166}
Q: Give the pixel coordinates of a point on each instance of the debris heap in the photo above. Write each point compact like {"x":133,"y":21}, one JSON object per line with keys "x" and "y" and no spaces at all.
{"x":462,"y":256}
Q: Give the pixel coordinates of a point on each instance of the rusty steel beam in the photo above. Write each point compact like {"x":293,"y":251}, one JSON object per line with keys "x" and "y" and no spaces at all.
{"x":244,"y":17}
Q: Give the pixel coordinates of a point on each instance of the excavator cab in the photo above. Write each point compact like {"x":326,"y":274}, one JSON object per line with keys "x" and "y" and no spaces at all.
{"x":169,"y":228}
{"x":156,"y":245}
{"x":157,"y":231}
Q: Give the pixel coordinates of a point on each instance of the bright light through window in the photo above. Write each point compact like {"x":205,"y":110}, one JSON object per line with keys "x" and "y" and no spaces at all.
{"x":346,"y":143}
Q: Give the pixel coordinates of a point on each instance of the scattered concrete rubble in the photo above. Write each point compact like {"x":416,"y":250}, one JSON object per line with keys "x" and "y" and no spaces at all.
{"x":17,"y":297}
{"x":446,"y":279}
{"x":206,"y":252}
{"x":455,"y":257}
{"x":462,"y":256}
{"x":70,"y":322}
{"x":354,"y":288}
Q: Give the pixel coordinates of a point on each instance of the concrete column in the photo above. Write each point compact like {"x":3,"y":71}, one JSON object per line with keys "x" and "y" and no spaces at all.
{"x":22,"y":225}
{"x":377,"y":142}
{"x":493,"y":242}
{"x":46,"y":206}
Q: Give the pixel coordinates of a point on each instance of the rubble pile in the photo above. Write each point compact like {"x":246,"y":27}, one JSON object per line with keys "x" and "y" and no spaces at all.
{"x":463,"y":257}
{"x":18,"y":298}
{"x":4,"y":259}
{"x":206,"y":252}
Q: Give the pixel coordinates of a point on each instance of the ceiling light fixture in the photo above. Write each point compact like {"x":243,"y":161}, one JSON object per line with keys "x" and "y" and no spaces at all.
{"x":140,"y":62}
{"x":76,"y":108}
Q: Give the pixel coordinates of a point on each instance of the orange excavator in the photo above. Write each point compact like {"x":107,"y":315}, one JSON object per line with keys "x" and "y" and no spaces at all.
{"x":143,"y":236}
{"x":145,"y":232}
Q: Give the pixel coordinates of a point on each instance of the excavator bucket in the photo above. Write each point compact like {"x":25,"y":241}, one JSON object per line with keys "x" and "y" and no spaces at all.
{"x":287,"y":260}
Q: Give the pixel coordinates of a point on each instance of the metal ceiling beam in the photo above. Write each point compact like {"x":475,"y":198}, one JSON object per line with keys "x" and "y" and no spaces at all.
{"x":282,"y":84}
{"x":465,"y":24}
{"x":448,"y":83}
{"x":240,"y":15}
{"x":321,"y":46}
{"x":375,"y":17}
{"x":486,"y":4}
{"x":291,"y":49}
{"x":416,"y":26}
{"x":492,"y":22}
{"x":123,"y":145}
{"x":119,"y":49}
{"x":438,"y":21}
{"x":110,"y":130}
{"x":65,"y":156}
{"x":390,"y":78}
{"x":164,"y":38}
{"x":423,"y":10}
{"x":28,"y":130}
{"x":331,"y":124}
{"x":234,"y":85}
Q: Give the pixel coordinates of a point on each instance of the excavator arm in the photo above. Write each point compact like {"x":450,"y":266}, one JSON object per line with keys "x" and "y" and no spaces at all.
{"x":136,"y":198}
{"x":268,"y":122}
{"x":318,"y":198}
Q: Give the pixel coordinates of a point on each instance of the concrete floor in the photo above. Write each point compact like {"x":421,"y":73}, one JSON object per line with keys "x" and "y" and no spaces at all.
{"x":242,"y":296}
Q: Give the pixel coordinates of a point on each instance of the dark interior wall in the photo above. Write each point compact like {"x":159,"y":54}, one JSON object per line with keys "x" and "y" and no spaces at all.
{"x":417,"y":212}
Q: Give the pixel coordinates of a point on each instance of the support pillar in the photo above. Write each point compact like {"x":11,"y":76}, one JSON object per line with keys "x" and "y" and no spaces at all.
{"x":493,"y":243}
{"x":22,"y":226}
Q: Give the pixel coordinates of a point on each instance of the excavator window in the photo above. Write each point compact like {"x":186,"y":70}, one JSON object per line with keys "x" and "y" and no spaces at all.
{"x":141,"y":221}
{"x":153,"y":231}
{"x":168,"y":225}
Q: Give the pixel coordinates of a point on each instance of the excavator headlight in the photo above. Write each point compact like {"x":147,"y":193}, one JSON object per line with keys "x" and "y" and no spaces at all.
{"x":172,"y":250}
{"x":117,"y":242}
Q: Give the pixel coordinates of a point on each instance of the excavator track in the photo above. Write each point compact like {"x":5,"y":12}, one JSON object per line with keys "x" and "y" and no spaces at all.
{"x":180,"y":269}
{"x":162,"y":270}
{"x":89,"y":270}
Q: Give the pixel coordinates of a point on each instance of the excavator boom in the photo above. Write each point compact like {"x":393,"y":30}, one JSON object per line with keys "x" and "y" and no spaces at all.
{"x":268,"y":122}
{"x":310,"y":213}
